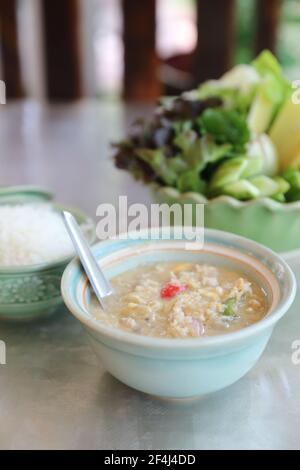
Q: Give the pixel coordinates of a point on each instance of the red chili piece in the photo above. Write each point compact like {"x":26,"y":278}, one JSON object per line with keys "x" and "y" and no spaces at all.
{"x":170,"y":290}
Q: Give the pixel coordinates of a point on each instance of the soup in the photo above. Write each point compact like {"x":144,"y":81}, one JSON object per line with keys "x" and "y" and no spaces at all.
{"x":181,"y":300}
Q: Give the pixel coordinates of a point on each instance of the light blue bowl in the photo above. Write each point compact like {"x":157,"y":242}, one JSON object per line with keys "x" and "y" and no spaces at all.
{"x":182,"y":367}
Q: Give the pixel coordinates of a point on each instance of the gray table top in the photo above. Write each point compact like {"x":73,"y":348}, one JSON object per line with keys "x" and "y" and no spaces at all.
{"x":54,"y":393}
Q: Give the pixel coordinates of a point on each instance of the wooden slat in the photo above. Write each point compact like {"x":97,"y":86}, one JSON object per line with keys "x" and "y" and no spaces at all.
{"x":140,"y":59}
{"x":215,"y":45}
{"x":62,"y":52}
{"x":11,"y":68}
{"x":266,"y":24}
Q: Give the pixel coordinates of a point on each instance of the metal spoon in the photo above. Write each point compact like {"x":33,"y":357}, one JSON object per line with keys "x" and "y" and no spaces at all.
{"x":93,"y":271}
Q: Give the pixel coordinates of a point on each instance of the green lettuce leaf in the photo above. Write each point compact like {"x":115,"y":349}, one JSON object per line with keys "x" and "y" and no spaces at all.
{"x":190,"y":181}
{"x":230,"y":97}
{"x":160,"y":164}
{"x":225,"y":127}
{"x":197,"y":152}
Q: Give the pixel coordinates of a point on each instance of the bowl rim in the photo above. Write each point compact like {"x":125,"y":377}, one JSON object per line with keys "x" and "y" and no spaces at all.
{"x":33,"y":190}
{"x":45,"y":266}
{"x":133,"y":339}
{"x":267,"y":202}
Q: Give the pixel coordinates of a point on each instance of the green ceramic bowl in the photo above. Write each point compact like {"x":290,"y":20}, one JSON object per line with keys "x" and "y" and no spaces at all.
{"x":263,"y":220}
{"x":32,"y":291}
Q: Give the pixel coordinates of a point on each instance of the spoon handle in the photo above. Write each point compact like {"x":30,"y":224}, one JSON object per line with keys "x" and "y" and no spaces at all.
{"x":96,"y":277}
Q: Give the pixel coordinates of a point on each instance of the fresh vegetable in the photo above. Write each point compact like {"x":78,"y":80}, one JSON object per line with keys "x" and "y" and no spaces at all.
{"x":237,"y":136}
{"x":166,"y":169}
{"x":266,"y":186}
{"x":229,"y":308}
{"x":170,"y":290}
{"x":243,"y":78}
{"x":292,"y":177}
{"x":285,"y":134}
{"x":228,"y":172}
{"x":242,"y":189}
{"x":264,"y":147}
{"x":271,"y":92}
{"x":225,"y":126}
{"x":236,"y":88}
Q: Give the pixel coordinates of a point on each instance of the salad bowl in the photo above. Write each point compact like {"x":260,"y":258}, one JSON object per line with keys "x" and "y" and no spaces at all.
{"x":263,"y":220}
{"x":232,"y":144}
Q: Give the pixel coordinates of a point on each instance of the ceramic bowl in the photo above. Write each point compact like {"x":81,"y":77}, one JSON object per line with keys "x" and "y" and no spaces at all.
{"x":263,"y":220}
{"x":28,"y":292}
{"x":181,"y":368}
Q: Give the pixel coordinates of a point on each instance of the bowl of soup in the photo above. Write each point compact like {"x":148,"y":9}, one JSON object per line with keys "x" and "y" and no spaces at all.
{"x":185,"y":319}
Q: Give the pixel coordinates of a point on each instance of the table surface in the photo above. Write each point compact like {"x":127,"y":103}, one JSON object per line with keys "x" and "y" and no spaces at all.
{"x":54,"y":393}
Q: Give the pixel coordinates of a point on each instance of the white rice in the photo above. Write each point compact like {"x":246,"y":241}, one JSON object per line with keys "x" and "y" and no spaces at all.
{"x":31,"y":234}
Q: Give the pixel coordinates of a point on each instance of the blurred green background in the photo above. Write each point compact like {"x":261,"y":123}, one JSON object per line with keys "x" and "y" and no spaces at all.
{"x":288,"y":44}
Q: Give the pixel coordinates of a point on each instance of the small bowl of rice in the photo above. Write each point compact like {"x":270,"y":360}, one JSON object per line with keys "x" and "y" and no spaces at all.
{"x":34,"y":251}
